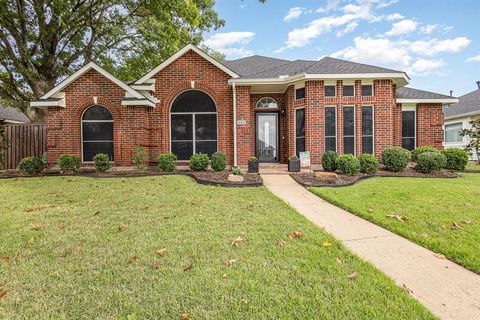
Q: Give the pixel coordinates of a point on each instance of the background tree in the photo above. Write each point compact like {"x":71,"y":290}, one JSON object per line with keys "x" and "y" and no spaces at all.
{"x":42,"y":41}
{"x":473,"y":134}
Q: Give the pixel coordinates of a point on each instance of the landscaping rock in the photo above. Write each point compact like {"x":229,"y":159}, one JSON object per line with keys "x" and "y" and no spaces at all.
{"x":235,"y":178}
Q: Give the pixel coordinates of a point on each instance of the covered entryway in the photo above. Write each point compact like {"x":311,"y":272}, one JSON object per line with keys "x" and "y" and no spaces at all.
{"x":266,"y":137}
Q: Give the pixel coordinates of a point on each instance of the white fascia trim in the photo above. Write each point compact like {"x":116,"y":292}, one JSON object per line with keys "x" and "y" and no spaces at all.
{"x":144,"y":87}
{"x":142,"y":102}
{"x":48,"y":103}
{"x":180,"y":53}
{"x":83,"y":70}
{"x":443,"y":101}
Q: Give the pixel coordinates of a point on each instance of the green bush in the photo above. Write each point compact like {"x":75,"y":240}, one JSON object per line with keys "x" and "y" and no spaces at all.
{"x":348,"y":164}
{"x":198,"y":162}
{"x":140,"y":158}
{"x":428,"y":162}
{"x":329,"y":161}
{"x":219,"y":161}
{"x":236,"y":171}
{"x":31,"y":165}
{"x":457,"y":159}
{"x":167,"y":161}
{"x":418,"y":151}
{"x":395,"y":158}
{"x":68,"y":163}
{"x":102,"y":162}
{"x":368,"y":163}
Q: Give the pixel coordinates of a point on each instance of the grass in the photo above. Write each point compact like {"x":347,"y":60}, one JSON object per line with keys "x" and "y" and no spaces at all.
{"x":431,"y":207}
{"x":86,"y":248}
{"x":472,"y":165}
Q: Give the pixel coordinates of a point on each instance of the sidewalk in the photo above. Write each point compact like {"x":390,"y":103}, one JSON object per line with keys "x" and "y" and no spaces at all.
{"x":445,"y":288}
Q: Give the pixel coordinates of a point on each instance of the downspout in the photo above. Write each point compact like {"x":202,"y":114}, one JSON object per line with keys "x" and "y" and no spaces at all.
{"x":234,"y":125}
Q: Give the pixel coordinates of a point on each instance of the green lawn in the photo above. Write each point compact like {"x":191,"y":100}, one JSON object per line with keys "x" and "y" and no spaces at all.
{"x":86,"y":248}
{"x":473,"y":165}
{"x":431,"y":207}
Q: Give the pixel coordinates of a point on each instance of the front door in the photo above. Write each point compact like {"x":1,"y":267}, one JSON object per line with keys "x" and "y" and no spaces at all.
{"x":267,"y":137}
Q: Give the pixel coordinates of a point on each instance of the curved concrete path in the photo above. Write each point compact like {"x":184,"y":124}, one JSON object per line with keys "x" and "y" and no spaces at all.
{"x":445,"y":288}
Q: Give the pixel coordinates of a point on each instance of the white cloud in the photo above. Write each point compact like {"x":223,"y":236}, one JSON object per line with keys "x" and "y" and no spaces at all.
{"x":231,"y":44}
{"x":435,"y":46}
{"x":474,"y":58}
{"x":394,"y":16}
{"x":349,"y":28}
{"x":429,"y":28}
{"x":425,"y":66}
{"x":293,"y":13}
{"x":402,"y":27}
{"x":331,"y":5}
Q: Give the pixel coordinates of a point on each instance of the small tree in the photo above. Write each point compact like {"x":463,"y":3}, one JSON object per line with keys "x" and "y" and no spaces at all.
{"x":473,"y":134}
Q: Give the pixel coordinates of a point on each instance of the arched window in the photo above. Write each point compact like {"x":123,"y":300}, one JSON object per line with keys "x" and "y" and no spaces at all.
{"x":193,"y":124}
{"x":97,"y":132}
{"x":267,"y":103}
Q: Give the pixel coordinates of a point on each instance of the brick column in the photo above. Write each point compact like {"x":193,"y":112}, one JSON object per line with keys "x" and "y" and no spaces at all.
{"x":289,"y":97}
{"x":314,"y":120}
{"x":430,"y":125}
{"x":384,"y":115}
{"x":245,"y":132}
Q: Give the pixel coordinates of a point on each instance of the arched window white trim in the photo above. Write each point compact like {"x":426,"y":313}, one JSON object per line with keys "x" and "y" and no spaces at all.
{"x":267,"y":103}
{"x":96,"y":132}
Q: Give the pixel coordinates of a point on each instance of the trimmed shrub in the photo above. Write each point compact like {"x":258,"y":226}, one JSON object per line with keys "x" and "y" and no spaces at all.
{"x":457,"y":159}
{"x":348,"y":164}
{"x":236,"y":171}
{"x":418,"y":151}
{"x":102,"y":162}
{"x":329,"y":161}
{"x":198,"y":162}
{"x":31,"y":165}
{"x":428,"y":162}
{"x":139,"y":158}
{"x":395,"y":158}
{"x":219,"y":161}
{"x":167,"y":161}
{"x":68,"y":163}
{"x":368,"y":163}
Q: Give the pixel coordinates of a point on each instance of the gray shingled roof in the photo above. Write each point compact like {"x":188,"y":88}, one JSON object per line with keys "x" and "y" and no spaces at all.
{"x":12,"y":114}
{"x":410,"y":93}
{"x":468,"y":104}
{"x":258,"y":67}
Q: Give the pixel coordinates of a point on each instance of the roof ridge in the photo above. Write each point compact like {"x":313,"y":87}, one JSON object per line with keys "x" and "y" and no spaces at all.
{"x":280,"y":65}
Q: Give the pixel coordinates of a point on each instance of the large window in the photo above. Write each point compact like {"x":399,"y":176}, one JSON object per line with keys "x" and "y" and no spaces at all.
{"x":330,"y":91}
{"x":367,"y":90}
{"x":367,"y":129}
{"x":408,"y":129}
{"x":330,"y":129}
{"x":267,"y":103}
{"x":452,"y":132}
{"x":97,"y":132}
{"x":299,"y":131}
{"x":348,"y":91}
{"x":300,"y":93}
{"x":349,"y":130}
{"x":193,"y":124}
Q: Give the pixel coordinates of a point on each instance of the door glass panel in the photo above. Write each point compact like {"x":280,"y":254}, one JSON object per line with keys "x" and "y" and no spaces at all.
{"x":267,"y":137}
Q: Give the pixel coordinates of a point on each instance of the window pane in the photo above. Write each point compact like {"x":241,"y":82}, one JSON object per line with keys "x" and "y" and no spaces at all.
{"x":408,"y":143}
{"x":193,"y":101}
{"x":97,"y":113}
{"x":330,"y":128}
{"x":452,"y":132}
{"x":97,"y":131}
{"x":300,"y":93}
{"x":367,"y":121}
{"x":300,"y":123}
{"x":208,"y":147}
{"x":203,"y":102}
{"x":349,"y":145}
{"x":330,"y":144}
{"x":206,"y":127}
{"x":367,"y":144}
{"x":300,"y":145}
{"x":348,"y":121}
{"x":182,"y":149}
{"x":367,"y":90}
{"x":348,"y":91}
{"x":330,"y":91}
{"x":408,"y":124}
{"x":182,"y":125}
{"x":90,"y":149}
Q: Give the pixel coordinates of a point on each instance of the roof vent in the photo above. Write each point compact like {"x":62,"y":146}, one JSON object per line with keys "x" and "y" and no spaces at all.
{"x":451,"y":93}
{"x":478,"y":84}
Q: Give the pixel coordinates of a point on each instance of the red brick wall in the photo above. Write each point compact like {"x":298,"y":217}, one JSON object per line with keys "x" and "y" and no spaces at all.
{"x":430,"y":125}
{"x":245,"y":132}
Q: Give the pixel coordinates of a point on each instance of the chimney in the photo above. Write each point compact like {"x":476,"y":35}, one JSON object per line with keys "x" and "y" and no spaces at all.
{"x":478,"y":84}
{"x":451,"y":93}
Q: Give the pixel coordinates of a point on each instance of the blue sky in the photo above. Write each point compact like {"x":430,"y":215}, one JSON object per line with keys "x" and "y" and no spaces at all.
{"x":437,"y":42}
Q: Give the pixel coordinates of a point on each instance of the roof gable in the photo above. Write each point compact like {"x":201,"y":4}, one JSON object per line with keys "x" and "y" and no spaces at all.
{"x":180,"y":53}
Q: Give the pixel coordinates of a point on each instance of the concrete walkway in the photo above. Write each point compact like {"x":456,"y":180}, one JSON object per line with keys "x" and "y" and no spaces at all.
{"x":446,"y":289}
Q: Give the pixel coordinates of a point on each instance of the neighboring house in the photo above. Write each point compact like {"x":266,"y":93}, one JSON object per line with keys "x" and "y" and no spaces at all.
{"x":271,"y":108}
{"x":12,"y":116}
{"x":457,"y":117}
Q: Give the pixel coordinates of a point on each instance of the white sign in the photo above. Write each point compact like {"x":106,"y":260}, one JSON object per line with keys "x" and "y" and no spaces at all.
{"x":305,"y":159}
{"x":242,"y":121}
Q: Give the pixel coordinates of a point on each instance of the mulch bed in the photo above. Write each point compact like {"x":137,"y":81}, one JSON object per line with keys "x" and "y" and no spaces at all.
{"x":202,"y":177}
{"x":310,"y":180}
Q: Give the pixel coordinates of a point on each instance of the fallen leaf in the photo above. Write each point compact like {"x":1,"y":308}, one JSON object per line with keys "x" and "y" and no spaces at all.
{"x":96,"y":213}
{"x":339,"y":260}
{"x":456,"y":226}
{"x":396,"y":216}
{"x":162,"y":252}
{"x":370,"y":210}
{"x":406,"y":289}
{"x":90,"y":201}
{"x":157,"y":265}
{"x":6,"y":259}
{"x":295,"y":234}
{"x":352,"y":275}
{"x":281,"y":243}
{"x":3,"y":294}
{"x":236,"y":242}
{"x":35,"y":228}
{"x":224,"y":276}
{"x":467,"y":221}
{"x":327,"y":244}
{"x":439,"y":256}
{"x":230,"y":262}
{"x":132,"y":259}
{"x":122,"y":227}
{"x":186,"y":316}
{"x":188,"y":267}
{"x":31,"y":240}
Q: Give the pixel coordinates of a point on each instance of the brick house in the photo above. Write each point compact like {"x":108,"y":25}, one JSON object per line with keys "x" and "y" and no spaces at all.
{"x":262,"y":106}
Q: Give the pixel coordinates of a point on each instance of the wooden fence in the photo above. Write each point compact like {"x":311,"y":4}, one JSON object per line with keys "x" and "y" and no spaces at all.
{"x":24,"y":140}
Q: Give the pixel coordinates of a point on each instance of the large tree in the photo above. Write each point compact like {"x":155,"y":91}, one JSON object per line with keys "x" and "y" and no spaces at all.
{"x":42,"y":41}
